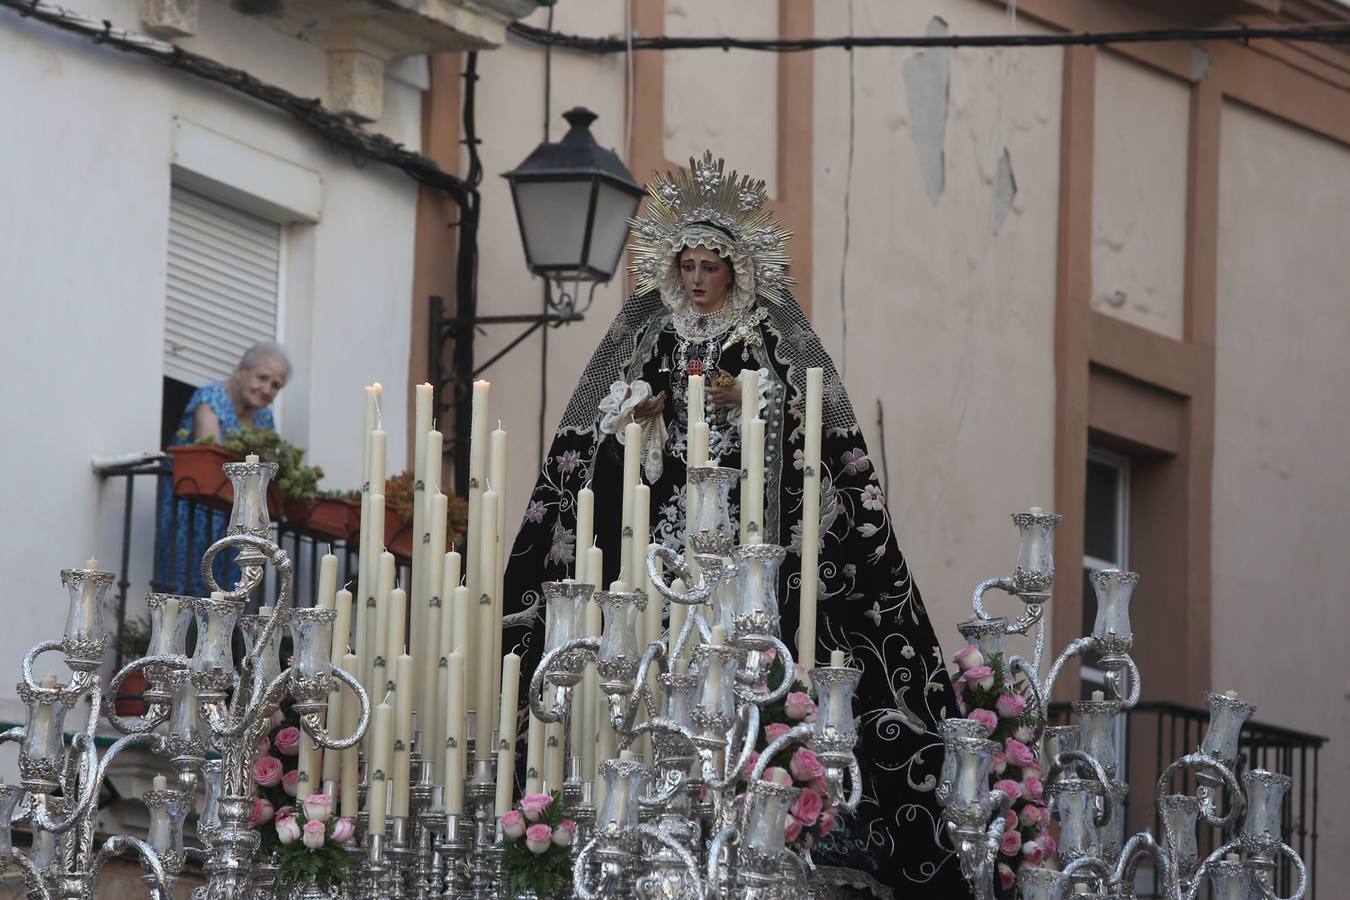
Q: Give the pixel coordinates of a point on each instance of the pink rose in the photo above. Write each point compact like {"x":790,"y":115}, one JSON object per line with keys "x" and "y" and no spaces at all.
{"x":1000,"y":763}
{"x":792,"y":829}
{"x":288,"y":830}
{"x":538,"y":838}
{"x":563,"y":834}
{"x":264,"y":747}
{"x":959,"y":688}
{"x":808,"y":808}
{"x":288,"y":741}
{"x":1009,"y":820}
{"x":343,"y":830}
{"x":1024,"y":733}
{"x":285,"y":812}
{"x":1009,"y":787}
{"x":750,"y":765}
{"x":314,"y":834}
{"x":1030,"y":816}
{"x":1032,"y":787}
{"x":1033,"y":853}
{"x":778,"y":775}
{"x":1006,"y":877}
{"x":981,"y":676}
{"x":262,"y":812}
{"x":1019,"y":754}
{"x":798,"y":706}
{"x":1046,"y":839}
{"x":1011,"y":843}
{"x":513,"y":824}
{"x":827,"y":819}
{"x":276,"y":719}
{"x":822,"y":787}
{"x":805,"y":765}
{"x":290,"y":782}
{"x":985,"y":717}
{"x":968,"y":657}
{"x":534,"y":804}
{"x":267,"y":770}
{"x":318,"y":807}
{"x":775,"y":731}
{"x":1010,"y":706}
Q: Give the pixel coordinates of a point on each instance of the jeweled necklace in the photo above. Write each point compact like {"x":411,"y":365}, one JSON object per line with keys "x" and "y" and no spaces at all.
{"x":695,"y":326}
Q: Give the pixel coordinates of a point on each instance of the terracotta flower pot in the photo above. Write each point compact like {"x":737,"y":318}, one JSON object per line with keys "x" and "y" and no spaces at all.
{"x":328,"y":517}
{"x":131,"y":700}
{"x":198,"y":475}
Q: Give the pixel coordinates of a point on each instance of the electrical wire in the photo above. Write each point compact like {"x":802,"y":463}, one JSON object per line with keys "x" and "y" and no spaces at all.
{"x":1329,"y":33}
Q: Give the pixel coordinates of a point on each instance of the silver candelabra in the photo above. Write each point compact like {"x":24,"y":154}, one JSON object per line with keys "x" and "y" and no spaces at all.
{"x":1082,"y":776}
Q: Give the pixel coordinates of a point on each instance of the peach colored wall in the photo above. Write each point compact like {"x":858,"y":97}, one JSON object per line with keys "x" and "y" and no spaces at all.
{"x":950,"y":327}
{"x":714,"y":98}
{"x":1139,"y":195}
{"x":1281,"y":485}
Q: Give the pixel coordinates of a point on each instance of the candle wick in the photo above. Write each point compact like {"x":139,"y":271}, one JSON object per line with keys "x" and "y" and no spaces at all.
{"x":348,"y":585}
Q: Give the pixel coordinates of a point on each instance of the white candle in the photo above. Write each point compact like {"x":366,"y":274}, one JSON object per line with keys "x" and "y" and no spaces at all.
{"x":379,"y":640}
{"x":632,"y":475}
{"x":426,"y":565}
{"x":497,"y":479}
{"x":585,"y":533}
{"x":427,"y":701}
{"x":749,"y":379}
{"x":478,"y":458}
{"x":326,"y":597}
{"x":396,"y":636}
{"x":483,"y":677}
{"x":584,"y":700}
{"x":381,"y":742}
{"x":534,"y":755}
{"x":553,"y":754}
{"x":402,"y":777}
{"x":506,"y":729}
{"x":335,"y":718}
{"x":455,"y":734}
{"x":1034,"y":538}
{"x":309,"y":765}
{"x":168,"y":623}
{"x":837,"y":690}
{"x":694,"y":412}
{"x":714,"y":682}
{"x":368,"y":604}
{"x":752,"y":495}
{"x":637,"y":566}
{"x":810,"y":574}
{"x":363,"y":559}
{"x":342,"y":625}
{"x":351,"y":712}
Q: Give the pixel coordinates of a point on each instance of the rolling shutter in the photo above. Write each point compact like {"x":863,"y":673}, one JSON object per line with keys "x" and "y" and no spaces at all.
{"x":224,"y":266}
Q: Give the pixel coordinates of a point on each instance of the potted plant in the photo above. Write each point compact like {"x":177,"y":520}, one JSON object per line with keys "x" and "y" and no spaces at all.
{"x":398,"y":516}
{"x":198,"y":472}
{"x":333,"y":514}
{"x":536,"y":847}
{"x":133,"y":645}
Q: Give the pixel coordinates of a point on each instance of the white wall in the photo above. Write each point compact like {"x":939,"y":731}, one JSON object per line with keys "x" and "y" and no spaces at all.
{"x":83,"y":222}
{"x":1280,"y":445}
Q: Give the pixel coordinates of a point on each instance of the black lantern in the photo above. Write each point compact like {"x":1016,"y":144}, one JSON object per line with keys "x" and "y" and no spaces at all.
{"x":573,"y":201}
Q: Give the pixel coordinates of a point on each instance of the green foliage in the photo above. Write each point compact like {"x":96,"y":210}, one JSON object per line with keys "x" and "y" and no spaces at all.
{"x":547,"y":874}
{"x":135,"y":638}
{"x":296,"y":480}
{"x":327,"y":866}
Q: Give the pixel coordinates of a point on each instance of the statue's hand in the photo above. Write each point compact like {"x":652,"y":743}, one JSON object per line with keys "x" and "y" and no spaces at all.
{"x":650,"y":407}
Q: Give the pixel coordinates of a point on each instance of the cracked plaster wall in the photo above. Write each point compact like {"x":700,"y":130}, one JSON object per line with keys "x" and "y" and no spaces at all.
{"x":1282,"y":405}
{"x":950,"y":325}
{"x":1139,"y":195}
{"x":723,"y":100}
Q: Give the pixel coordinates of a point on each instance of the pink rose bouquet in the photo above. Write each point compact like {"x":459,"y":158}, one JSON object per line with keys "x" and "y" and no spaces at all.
{"x":986,"y":692}
{"x":311,"y":843}
{"x":813,"y":815}
{"x":536,"y":846}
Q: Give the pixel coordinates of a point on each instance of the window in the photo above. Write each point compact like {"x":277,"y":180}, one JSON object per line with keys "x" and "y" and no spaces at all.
{"x":222,"y":293}
{"x":1105,"y":538}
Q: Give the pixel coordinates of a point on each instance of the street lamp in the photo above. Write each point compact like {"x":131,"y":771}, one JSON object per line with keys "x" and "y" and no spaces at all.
{"x":573,"y":201}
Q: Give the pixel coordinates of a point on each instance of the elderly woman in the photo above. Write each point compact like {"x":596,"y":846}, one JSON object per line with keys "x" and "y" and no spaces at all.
{"x":712,"y":299}
{"x":243,"y":400}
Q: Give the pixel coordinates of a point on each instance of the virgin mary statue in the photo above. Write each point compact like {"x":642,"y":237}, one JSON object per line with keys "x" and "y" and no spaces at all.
{"x":713,"y":299}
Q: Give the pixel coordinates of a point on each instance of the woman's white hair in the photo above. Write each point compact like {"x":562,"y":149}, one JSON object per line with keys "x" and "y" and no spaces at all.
{"x":254,"y":356}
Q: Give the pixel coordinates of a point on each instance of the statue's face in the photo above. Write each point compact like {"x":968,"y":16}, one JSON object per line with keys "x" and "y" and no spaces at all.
{"x":707,"y":279}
